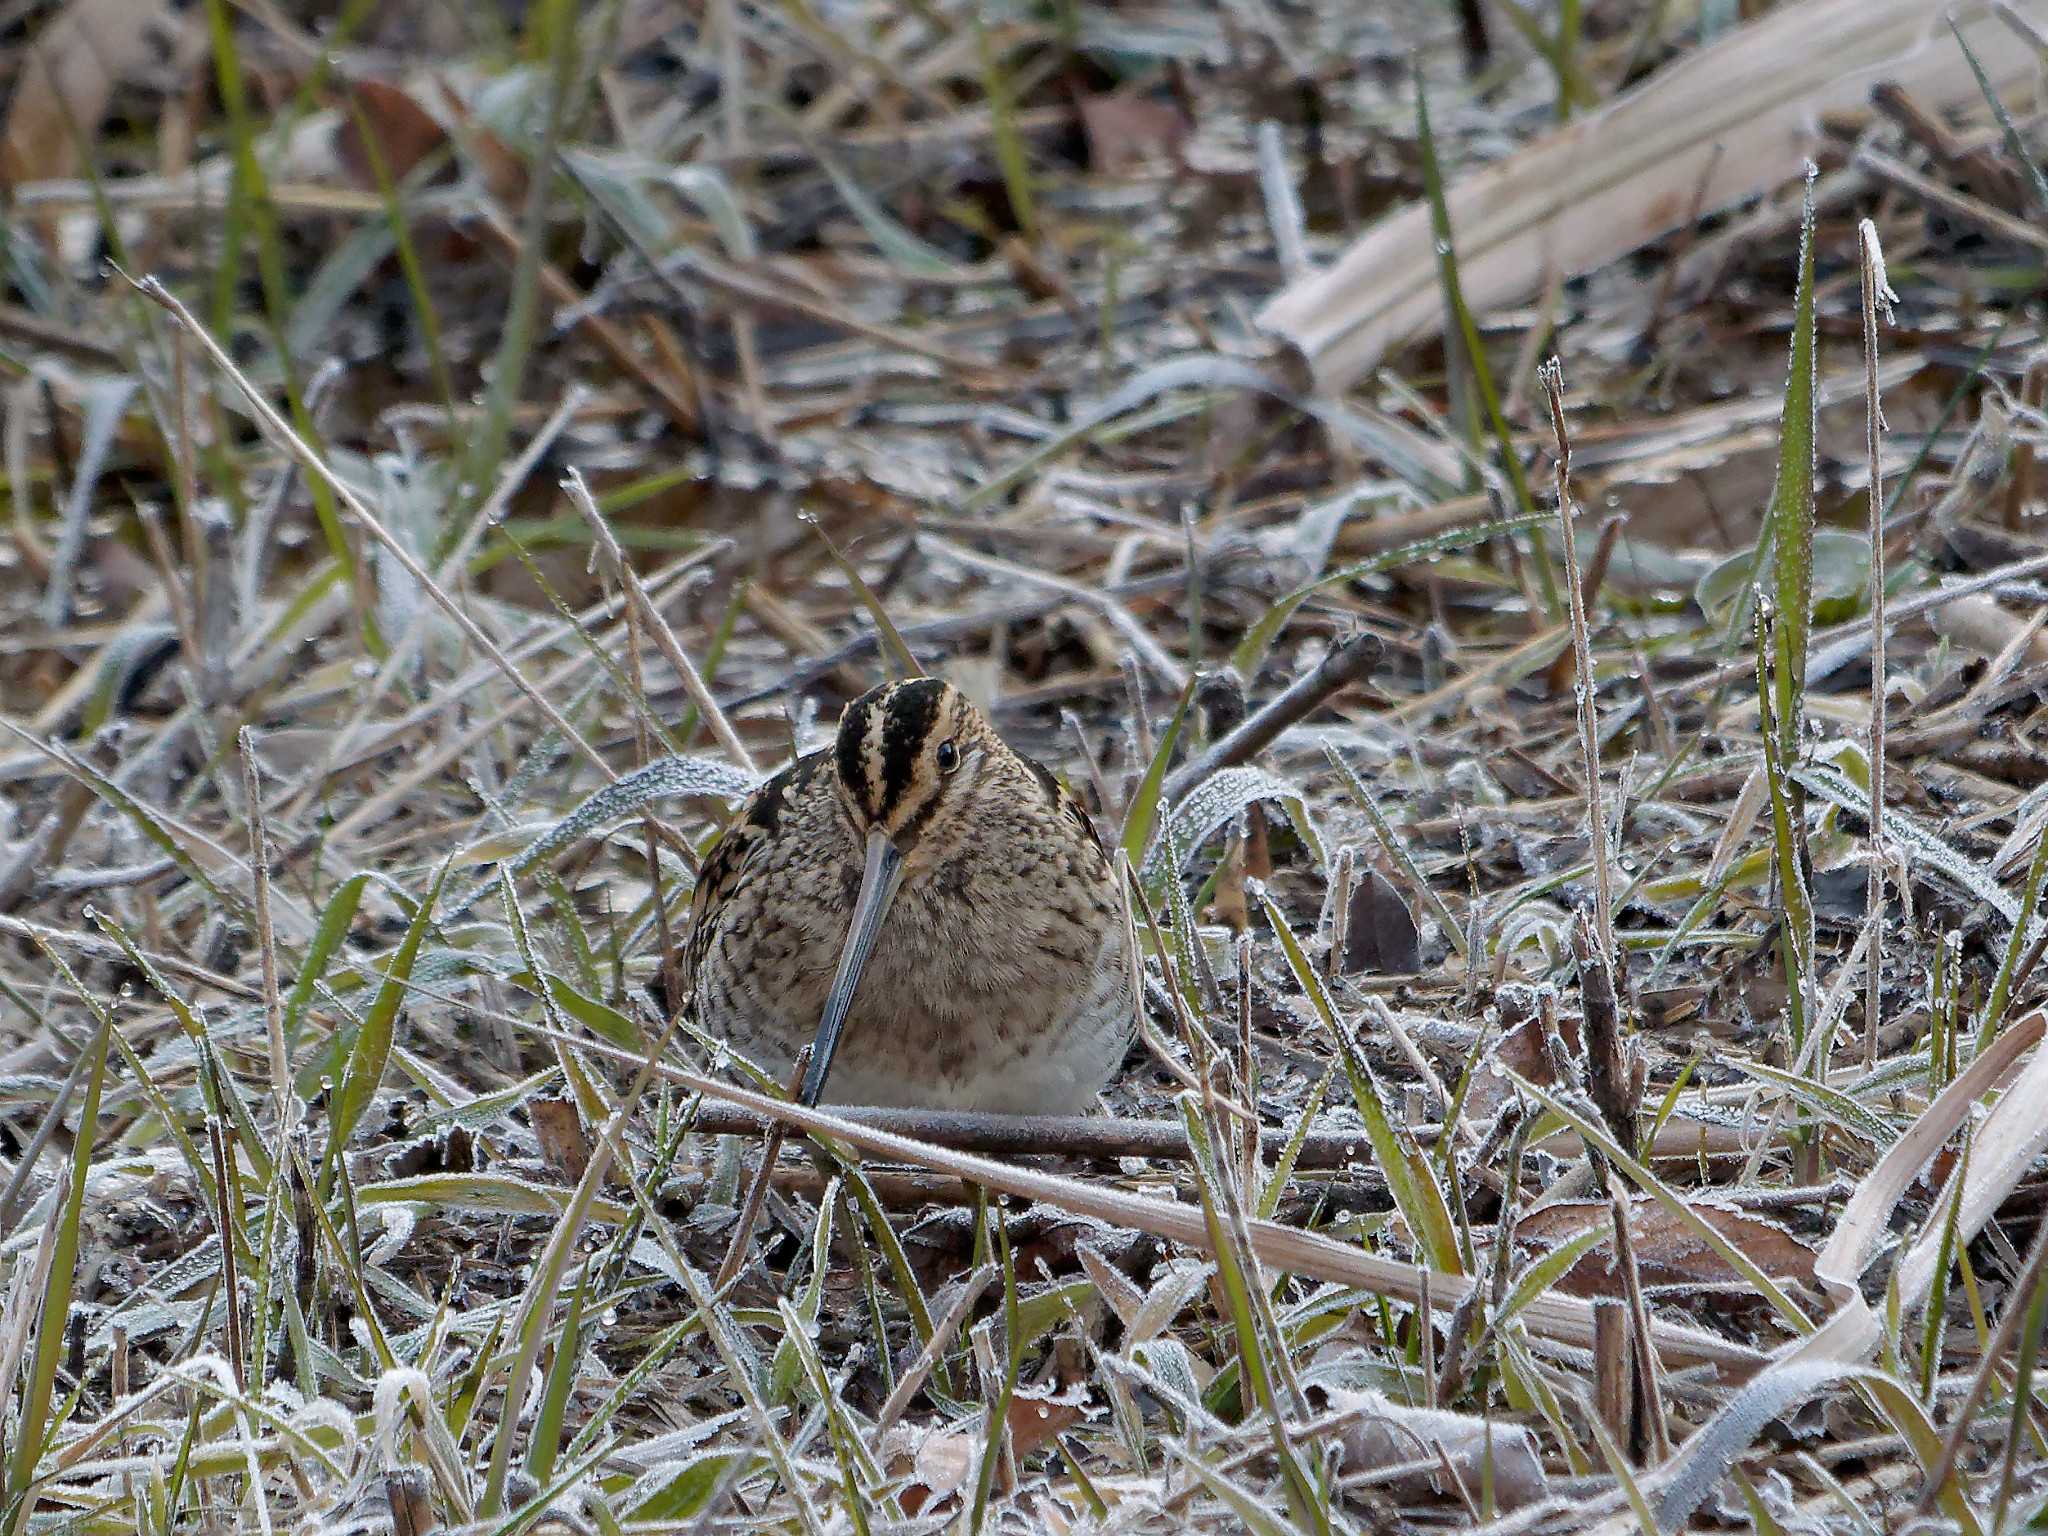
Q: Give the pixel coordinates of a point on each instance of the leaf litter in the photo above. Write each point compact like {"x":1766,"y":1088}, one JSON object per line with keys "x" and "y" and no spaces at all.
{"x":1030,"y":350}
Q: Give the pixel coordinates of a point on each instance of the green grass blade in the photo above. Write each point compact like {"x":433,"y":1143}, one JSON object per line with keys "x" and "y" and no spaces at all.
{"x":335,"y":919}
{"x":891,"y":636}
{"x":1753,"y":1276}
{"x":1009,"y":143}
{"x":1290,"y":1154}
{"x":2015,"y":146}
{"x":1251,"y":651}
{"x":1475,"y":355}
{"x":372,"y":1048}
{"x":1251,"y":1352}
{"x":1143,"y":812}
{"x":2016,"y":946}
{"x":553,"y":27}
{"x":33,"y":1422}
{"x":1415,"y":1193}
{"x":1788,"y":828}
{"x":1792,"y":506}
{"x":999,"y":1410}
{"x":554,"y":1399}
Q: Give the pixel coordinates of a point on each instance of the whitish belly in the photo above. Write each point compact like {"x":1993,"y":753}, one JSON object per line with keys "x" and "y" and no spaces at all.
{"x":1020,"y":1047}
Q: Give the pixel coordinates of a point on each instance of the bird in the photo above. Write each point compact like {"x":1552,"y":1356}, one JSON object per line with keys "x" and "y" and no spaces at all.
{"x":929,"y":909}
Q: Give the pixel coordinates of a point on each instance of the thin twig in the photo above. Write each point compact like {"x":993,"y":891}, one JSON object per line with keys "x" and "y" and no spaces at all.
{"x":1287,"y":1248}
{"x":1097,"y":1138}
{"x":1995,"y":222}
{"x":1350,"y":661}
{"x":656,"y":622}
{"x":407,"y":640}
{"x":757,"y":1190}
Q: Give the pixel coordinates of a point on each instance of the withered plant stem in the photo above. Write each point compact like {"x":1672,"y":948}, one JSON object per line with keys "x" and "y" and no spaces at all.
{"x":1285,"y":1248}
{"x":1650,"y":1436}
{"x":281,"y":433}
{"x":1081,"y":1136}
{"x":1875,"y":293}
{"x":757,"y":1190}
{"x":266,"y":939}
{"x":1552,"y":374}
{"x":225,"y":1186}
{"x":656,"y":622}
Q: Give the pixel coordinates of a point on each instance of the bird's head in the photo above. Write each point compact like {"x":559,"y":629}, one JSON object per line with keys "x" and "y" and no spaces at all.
{"x":909,"y":758}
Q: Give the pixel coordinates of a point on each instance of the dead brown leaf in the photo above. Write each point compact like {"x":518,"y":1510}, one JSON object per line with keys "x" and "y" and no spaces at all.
{"x":1039,"y":1415}
{"x":1669,"y":1254}
{"x":564,"y":1145}
{"x":68,"y":79}
{"x":1125,"y":131}
{"x":1381,"y":1433}
{"x":403,"y":131}
{"x":1379,"y":931}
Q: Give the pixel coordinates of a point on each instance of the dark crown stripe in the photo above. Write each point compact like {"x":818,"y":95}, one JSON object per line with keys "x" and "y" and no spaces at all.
{"x":913,"y":710}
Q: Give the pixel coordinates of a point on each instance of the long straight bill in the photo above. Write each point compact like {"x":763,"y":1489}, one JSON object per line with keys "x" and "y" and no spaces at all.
{"x":878,"y":882}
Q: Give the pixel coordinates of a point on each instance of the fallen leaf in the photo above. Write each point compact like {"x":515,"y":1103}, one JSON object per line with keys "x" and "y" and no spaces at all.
{"x":67,"y":81}
{"x":939,"y":1463}
{"x":1718,"y":125}
{"x":1383,"y":1433}
{"x":405,"y":133}
{"x":1523,"y":1050}
{"x":1670,"y":1256}
{"x":1036,"y":1417}
{"x":504,"y":173}
{"x":1379,"y":932}
{"x":559,"y":1129}
{"x":1125,"y":131}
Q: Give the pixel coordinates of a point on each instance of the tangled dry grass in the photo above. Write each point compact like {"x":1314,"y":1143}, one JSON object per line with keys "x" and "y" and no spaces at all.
{"x":1590,"y":1071}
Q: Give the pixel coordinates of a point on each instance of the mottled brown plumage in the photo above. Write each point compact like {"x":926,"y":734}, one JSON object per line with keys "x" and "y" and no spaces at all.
{"x":998,"y":977}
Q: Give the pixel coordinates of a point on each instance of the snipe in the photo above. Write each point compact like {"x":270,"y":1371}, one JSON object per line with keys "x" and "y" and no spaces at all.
{"x":926,"y":906}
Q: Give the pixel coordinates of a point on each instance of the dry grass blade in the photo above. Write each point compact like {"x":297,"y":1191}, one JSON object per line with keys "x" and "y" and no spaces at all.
{"x":1286,"y":1249}
{"x":1719,"y":126}
{"x":1837,"y":1348}
{"x":153,"y":290}
{"x":1585,"y":688}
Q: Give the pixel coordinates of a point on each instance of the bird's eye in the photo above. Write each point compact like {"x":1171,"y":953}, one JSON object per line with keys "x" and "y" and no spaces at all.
{"x":949,"y":757}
